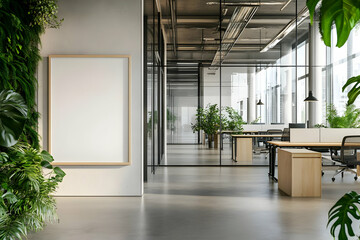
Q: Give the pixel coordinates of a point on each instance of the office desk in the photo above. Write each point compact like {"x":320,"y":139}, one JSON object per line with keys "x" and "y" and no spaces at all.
{"x":273,"y":145}
{"x":225,"y":132}
{"x":244,"y":145}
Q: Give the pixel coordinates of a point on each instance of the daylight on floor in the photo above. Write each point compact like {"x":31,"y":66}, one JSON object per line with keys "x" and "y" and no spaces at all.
{"x":179,"y":119}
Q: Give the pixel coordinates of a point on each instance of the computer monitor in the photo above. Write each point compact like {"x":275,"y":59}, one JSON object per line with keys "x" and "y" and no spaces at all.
{"x":296,"y":125}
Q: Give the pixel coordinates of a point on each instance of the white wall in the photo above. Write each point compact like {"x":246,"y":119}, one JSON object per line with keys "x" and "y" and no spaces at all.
{"x":99,"y":27}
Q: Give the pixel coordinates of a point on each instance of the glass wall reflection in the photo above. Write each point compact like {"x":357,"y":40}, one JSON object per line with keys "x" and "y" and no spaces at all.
{"x":182,"y":102}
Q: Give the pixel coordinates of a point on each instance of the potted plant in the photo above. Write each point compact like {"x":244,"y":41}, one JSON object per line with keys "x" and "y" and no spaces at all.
{"x":350,"y":119}
{"x":208,"y":120}
{"x":171,"y":118}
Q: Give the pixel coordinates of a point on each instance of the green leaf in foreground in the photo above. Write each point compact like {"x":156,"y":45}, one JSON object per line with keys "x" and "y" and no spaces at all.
{"x":59,"y":172}
{"x":354,"y":91}
{"x":344,"y":13}
{"x":46,"y":156}
{"x":341,"y":215}
{"x":13,"y":113}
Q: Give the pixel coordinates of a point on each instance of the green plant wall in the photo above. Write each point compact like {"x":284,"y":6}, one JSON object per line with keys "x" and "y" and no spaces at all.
{"x":21,"y":24}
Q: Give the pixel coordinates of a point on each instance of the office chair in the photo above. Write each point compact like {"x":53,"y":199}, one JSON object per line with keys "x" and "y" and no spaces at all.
{"x":261,"y":139}
{"x":273,"y":132}
{"x":286,"y":135}
{"x":347,"y":156}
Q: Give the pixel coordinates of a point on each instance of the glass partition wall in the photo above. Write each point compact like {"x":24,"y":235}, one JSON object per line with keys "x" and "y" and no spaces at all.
{"x":263,"y":77}
{"x":182,"y":101}
{"x":154,"y":89}
{"x":240,"y":76}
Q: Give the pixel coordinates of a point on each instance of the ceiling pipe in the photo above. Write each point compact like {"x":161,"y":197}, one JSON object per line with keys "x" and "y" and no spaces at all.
{"x":238,"y":22}
{"x":303,"y":14}
{"x":247,"y":4}
{"x":173,"y":23}
{"x":285,"y":5}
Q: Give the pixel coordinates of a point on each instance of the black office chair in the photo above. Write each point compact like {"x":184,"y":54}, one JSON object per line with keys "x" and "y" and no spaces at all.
{"x":273,"y":132}
{"x":347,"y":156}
{"x":261,"y":139}
{"x":286,"y":135}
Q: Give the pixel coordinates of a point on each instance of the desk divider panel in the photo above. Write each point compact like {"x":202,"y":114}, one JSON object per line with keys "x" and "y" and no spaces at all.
{"x":304,"y":135}
{"x":263,"y":127}
{"x":251,"y":127}
{"x":336,"y":134}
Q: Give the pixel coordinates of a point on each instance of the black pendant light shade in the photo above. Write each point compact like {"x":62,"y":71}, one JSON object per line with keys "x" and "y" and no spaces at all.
{"x":310,"y":98}
{"x":260,"y":102}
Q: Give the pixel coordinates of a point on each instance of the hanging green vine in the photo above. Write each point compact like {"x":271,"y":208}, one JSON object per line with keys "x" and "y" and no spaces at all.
{"x":21,"y":24}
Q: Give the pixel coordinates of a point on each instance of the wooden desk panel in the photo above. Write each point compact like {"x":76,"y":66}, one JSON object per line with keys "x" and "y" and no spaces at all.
{"x":307,"y":144}
{"x":256,"y":136}
{"x":244,"y":147}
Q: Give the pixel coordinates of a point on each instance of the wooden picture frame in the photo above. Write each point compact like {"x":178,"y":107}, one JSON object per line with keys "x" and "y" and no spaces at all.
{"x":63,"y":67}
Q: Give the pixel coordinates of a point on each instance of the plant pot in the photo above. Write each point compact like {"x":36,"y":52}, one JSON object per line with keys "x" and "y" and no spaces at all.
{"x":216,"y":140}
{"x":210,"y":140}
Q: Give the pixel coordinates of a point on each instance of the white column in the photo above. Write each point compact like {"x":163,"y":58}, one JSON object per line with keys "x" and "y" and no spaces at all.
{"x":251,"y":94}
{"x":315,"y":77}
{"x":286,"y":81}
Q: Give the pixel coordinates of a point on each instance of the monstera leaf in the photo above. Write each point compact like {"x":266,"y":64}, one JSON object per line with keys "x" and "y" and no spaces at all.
{"x":354,"y":91}
{"x":344,"y":13}
{"x":342,"y":213}
{"x":13,"y":112}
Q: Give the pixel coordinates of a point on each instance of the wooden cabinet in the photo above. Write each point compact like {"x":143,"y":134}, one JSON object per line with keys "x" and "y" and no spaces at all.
{"x":299,"y":172}
{"x":244,"y":150}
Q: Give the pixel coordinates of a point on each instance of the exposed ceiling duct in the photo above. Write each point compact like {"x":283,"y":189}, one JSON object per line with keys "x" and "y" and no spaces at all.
{"x":303,"y":14}
{"x":247,"y":4}
{"x":285,"y":5}
{"x":238,"y":22}
{"x":172,"y":5}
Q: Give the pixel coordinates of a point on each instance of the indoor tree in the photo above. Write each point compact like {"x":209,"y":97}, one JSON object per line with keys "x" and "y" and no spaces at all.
{"x":208,"y":120}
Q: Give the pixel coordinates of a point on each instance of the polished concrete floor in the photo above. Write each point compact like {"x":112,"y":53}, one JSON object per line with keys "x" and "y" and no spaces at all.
{"x":203,"y":155}
{"x":202,"y":203}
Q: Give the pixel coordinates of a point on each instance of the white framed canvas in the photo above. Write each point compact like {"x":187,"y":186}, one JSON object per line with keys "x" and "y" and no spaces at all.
{"x":89,"y":109}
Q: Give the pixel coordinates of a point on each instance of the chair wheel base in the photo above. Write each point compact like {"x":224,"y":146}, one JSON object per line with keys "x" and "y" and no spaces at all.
{"x":355,"y":178}
{"x":333,"y":179}
{"x":322,"y":173}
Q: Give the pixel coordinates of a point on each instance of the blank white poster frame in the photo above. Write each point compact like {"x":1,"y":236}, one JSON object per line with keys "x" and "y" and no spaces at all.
{"x":88,"y":109}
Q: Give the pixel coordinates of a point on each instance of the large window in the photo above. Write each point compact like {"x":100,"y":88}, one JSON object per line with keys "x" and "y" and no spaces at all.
{"x":301,"y":81}
{"x":239,"y":93}
{"x":342,"y":64}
